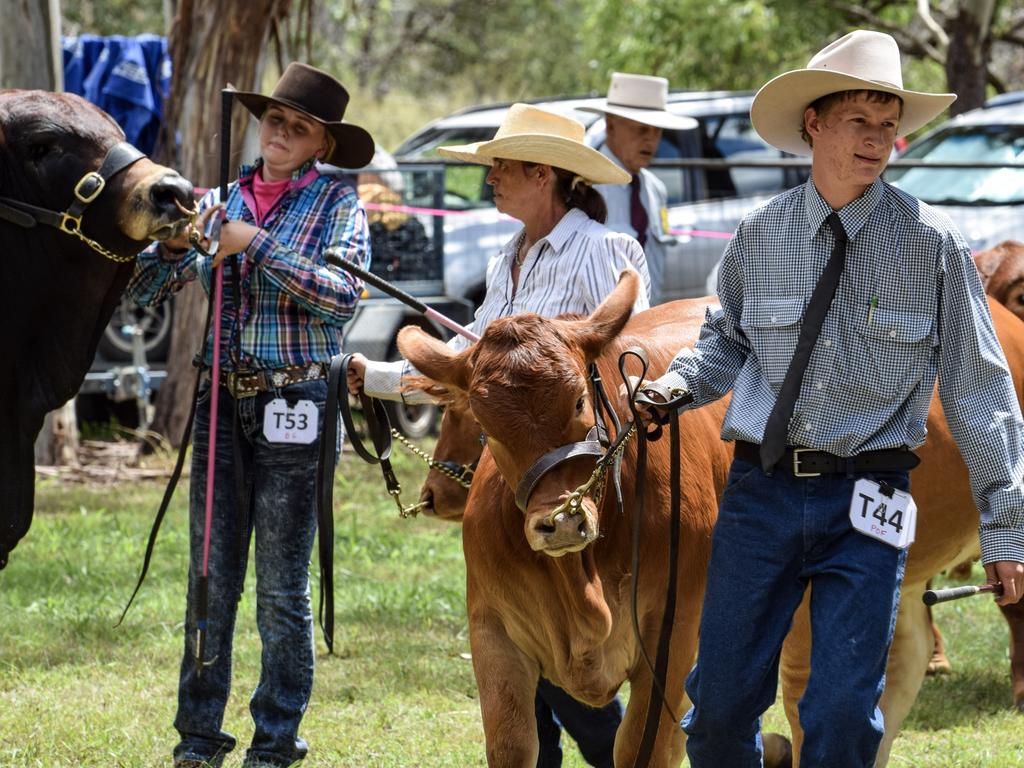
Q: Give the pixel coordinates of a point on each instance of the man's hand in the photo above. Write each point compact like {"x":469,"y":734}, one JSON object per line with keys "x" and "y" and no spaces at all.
{"x":1011,"y":575}
{"x":649,"y":414}
{"x":356,"y":372}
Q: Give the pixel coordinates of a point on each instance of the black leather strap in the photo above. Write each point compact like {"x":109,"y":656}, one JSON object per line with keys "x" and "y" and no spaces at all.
{"x":590,"y":447}
{"x":802,"y":461}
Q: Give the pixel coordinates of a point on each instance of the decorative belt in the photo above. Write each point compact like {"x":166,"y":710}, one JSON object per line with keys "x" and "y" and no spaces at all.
{"x":247,"y":383}
{"x":807,"y":462}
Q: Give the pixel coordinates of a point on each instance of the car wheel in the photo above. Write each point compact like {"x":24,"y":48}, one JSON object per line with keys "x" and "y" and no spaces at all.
{"x":116,"y":344}
{"x":413,"y":421}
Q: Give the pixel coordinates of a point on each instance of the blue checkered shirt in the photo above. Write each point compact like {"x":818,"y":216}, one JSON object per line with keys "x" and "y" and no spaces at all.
{"x":292,"y":304}
{"x":909,"y":308}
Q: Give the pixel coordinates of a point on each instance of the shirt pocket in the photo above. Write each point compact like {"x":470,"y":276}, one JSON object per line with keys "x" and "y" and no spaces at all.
{"x":772,"y":326}
{"x":889,"y":352}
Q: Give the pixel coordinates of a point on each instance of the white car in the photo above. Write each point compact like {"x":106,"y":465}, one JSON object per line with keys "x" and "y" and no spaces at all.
{"x":704,"y":204}
{"x":985,"y":204}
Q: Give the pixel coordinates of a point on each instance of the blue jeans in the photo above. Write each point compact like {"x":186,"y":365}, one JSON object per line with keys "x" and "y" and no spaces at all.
{"x":774,"y":537}
{"x":593,"y":729}
{"x":279,"y":508}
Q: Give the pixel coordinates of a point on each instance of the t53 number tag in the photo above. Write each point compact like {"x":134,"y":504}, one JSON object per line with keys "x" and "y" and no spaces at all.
{"x":283,"y":423}
{"x":884,"y":513}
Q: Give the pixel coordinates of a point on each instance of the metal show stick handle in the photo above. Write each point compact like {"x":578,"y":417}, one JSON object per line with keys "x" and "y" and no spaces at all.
{"x":333,"y":256}
{"x":933,"y":596}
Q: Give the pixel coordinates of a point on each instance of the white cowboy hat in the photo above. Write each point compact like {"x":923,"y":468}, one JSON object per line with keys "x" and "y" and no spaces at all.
{"x":642,"y":98}
{"x":861,"y":60}
{"x":535,"y":135}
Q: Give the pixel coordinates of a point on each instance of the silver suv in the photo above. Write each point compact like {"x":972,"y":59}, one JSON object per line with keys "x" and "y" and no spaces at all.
{"x":474,"y":230}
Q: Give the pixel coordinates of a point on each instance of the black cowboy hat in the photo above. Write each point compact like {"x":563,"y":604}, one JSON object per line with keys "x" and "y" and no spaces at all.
{"x":321,"y":97}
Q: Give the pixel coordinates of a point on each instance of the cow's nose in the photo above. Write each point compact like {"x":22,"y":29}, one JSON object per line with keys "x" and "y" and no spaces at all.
{"x":564,"y":530}
{"x":170,"y":194}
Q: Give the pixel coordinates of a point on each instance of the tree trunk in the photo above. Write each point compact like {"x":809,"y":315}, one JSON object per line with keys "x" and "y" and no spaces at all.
{"x":970,"y":47}
{"x":212,"y":44}
{"x":30,"y":51}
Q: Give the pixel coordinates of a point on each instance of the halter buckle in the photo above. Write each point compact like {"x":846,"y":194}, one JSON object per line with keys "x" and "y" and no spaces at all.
{"x":75,"y":226}
{"x":88,"y":197}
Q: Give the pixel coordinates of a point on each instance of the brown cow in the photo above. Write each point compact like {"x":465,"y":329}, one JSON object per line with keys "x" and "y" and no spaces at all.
{"x":947,"y":535}
{"x":551,"y":595}
{"x":1002,"y":273}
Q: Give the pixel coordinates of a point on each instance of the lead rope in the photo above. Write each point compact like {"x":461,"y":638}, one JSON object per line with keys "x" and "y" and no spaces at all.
{"x":659,"y":670}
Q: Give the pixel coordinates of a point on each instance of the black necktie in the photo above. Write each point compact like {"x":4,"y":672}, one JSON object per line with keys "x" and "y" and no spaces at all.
{"x":773,"y":444}
{"x":637,"y":213}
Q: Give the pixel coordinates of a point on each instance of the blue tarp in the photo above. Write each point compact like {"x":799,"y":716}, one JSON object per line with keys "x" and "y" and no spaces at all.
{"x":128,"y":77}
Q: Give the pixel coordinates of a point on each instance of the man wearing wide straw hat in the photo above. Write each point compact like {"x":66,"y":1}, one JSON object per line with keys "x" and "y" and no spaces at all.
{"x":842,"y":302}
{"x":562,"y":260}
{"x":635,"y":117}
{"x":281,"y":216}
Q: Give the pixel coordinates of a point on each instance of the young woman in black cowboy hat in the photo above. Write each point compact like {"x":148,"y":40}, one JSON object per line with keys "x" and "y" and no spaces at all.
{"x":281,"y":215}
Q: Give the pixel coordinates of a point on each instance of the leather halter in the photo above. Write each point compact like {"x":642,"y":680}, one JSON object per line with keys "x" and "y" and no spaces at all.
{"x":87,"y":189}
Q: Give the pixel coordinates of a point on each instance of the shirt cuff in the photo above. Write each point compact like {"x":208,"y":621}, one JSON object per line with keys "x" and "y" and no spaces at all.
{"x":998,"y":543}
{"x":260,"y":248}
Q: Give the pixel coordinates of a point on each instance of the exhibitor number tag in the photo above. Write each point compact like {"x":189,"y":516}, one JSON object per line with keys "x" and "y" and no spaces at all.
{"x":889,"y":517}
{"x":290,"y":424}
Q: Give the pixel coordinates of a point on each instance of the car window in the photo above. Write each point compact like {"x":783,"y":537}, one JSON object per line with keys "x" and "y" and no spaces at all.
{"x":733,"y":137}
{"x":682,"y":184}
{"x":464,"y":184}
{"x":966,"y":186}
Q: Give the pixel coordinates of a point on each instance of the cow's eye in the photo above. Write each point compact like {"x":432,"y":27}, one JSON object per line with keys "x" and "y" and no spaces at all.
{"x":39,"y":150}
{"x":580,"y":405}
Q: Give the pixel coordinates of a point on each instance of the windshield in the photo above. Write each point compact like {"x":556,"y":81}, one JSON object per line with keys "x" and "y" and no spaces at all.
{"x":966,"y":186}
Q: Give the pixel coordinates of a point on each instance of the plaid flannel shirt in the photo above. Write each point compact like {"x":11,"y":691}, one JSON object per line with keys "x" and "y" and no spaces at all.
{"x":909,"y":308}
{"x":292,"y":304}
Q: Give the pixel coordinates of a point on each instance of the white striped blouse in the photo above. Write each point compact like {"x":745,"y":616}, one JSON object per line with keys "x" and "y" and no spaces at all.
{"x":572,"y":269}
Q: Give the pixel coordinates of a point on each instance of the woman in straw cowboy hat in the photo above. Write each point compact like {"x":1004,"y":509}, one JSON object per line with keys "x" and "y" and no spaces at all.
{"x":563,"y":260}
{"x":842,"y":302}
{"x":282,"y":214}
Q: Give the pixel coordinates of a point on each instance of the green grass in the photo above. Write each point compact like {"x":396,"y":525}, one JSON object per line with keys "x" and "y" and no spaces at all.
{"x":399,"y":690}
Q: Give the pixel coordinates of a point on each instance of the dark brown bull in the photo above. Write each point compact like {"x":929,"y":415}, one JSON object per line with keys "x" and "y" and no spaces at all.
{"x":58,"y":293}
{"x":551,"y":594}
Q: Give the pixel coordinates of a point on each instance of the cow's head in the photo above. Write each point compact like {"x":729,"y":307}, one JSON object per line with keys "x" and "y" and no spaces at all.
{"x":1002,"y":273}
{"x":527,"y":387}
{"x":57,"y":292}
{"x":457,"y":450}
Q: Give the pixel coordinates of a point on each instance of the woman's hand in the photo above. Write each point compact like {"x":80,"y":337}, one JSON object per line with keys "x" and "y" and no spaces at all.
{"x":235,"y":237}
{"x":355,"y":374}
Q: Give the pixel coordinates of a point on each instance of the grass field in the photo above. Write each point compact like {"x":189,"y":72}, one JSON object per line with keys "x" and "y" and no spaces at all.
{"x":399,"y":690}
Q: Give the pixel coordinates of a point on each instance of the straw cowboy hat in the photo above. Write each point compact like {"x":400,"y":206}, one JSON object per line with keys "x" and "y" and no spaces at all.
{"x":535,"y":135}
{"x":642,"y":98}
{"x":860,"y":60}
{"x":318,"y":96}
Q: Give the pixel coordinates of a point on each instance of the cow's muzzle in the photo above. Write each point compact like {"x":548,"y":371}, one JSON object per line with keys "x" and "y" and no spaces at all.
{"x":563,"y":532}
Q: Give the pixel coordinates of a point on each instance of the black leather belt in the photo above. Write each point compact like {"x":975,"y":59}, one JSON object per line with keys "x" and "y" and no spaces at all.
{"x":807,"y":462}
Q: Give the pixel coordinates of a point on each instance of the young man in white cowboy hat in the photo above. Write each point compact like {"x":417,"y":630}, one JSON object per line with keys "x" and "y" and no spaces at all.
{"x":635,"y":117}
{"x":842,"y":302}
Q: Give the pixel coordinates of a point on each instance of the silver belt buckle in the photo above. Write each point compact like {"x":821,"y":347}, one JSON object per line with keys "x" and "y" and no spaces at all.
{"x":796,"y":463}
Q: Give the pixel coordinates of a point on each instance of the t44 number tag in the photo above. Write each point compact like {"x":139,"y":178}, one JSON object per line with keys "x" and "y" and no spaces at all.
{"x":884,"y":513}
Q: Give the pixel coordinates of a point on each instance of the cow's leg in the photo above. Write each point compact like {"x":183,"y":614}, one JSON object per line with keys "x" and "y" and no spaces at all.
{"x":507,"y":681}
{"x":1015,"y":618}
{"x":670,"y":743}
{"x":939,"y":663}
{"x":795,"y":669}
{"x":911,"y":648}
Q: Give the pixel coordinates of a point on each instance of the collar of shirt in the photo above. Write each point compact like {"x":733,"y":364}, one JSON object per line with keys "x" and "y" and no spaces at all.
{"x":567,"y":226}
{"x":854,"y":215}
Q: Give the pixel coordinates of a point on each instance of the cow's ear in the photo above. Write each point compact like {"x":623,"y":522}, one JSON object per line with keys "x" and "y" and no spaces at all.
{"x":594,"y":333}
{"x":435,"y":359}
